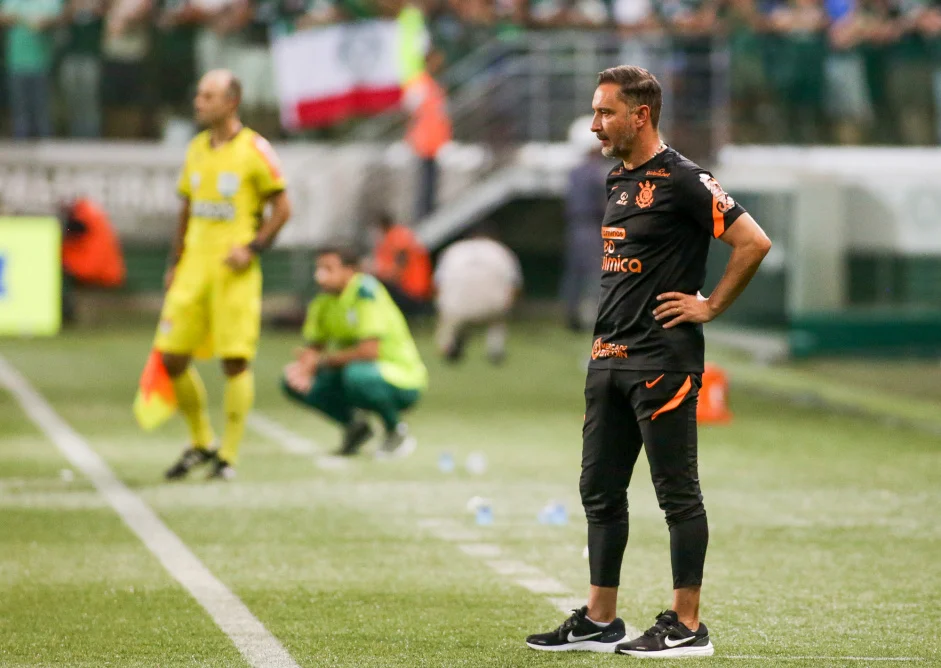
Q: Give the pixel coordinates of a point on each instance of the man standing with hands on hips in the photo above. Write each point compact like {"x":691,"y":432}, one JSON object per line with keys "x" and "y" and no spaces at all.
{"x":647,"y":362}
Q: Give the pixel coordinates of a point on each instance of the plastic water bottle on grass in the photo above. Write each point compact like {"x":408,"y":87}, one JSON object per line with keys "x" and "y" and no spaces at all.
{"x":553,"y":513}
{"x":446,"y":462}
{"x":484,"y":514}
{"x":560,"y":516}
{"x":545,"y":514}
{"x":474,"y":503}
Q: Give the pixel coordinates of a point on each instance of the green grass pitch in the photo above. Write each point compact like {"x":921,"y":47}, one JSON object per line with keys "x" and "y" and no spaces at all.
{"x":825,"y":540}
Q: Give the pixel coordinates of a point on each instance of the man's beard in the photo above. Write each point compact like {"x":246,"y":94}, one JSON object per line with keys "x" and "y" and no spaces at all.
{"x":621,"y":150}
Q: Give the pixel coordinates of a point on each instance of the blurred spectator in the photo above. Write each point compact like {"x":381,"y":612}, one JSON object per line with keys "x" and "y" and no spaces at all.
{"x":589,"y":14}
{"x":29,"y":46}
{"x":689,"y":75}
{"x":585,"y":202}
{"x":429,"y":129}
{"x":907,"y":73}
{"x":689,"y":18}
{"x":126,"y":49}
{"x":254,"y":65}
{"x":799,"y":42}
{"x":509,"y":16}
{"x":446,"y":28}
{"x":369,"y":9}
{"x":847,"y":100}
{"x":91,"y":252}
{"x":568,"y":13}
{"x":549,"y":13}
{"x":457,"y":27}
{"x":752,"y":106}
{"x":175,"y":58}
{"x":403,"y":265}
{"x":924,"y":17}
{"x":798,"y":70}
{"x":640,"y":32}
{"x":317,"y":13}
{"x":235,"y":35}
{"x":220,"y":33}
{"x":478,"y":280}
{"x":80,"y":69}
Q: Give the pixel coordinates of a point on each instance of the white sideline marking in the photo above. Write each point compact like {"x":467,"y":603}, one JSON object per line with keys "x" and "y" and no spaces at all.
{"x":543,"y":585}
{"x":480,"y":550}
{"x":433,"y":523}
{"x":248,"y":634}
{"x":456,"y":534}
{"x":508,"y":567}
{"x":821,"y":658}
{"x":292,"y":442}
{"x":448,"y":530}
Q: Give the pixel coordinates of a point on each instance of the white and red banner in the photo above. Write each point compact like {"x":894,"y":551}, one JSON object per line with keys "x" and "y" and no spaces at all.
{"x":329,"y":74}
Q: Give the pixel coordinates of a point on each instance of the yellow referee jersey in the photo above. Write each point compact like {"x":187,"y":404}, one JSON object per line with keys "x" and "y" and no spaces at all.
{"x":227,"y":187}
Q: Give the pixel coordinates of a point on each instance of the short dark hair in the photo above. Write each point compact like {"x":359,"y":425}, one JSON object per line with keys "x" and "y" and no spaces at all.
{"x":234,"y":91}
{"x":349,"y":256}
{"x":637,"y":87}
{"x":385,"y":220}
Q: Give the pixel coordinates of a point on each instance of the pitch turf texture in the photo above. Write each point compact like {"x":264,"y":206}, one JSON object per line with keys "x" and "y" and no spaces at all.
{"x":824,"y":547}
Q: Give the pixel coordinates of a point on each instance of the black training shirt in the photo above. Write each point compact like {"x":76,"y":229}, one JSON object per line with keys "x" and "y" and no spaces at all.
{"x":657,"y":227}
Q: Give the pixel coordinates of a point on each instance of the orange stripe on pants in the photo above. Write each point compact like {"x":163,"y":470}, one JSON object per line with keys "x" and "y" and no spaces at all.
{"x":676,"y":400}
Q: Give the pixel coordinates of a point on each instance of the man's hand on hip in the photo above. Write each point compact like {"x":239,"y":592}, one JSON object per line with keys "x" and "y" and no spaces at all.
{"x":677,"y":308}
{"x":240,"y":258}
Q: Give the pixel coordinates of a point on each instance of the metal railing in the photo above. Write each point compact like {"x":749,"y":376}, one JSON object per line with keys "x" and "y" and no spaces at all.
{"x":531,"y":87}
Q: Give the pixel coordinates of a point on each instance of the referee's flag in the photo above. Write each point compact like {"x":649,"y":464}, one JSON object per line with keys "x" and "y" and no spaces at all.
{"x":155,"y":402}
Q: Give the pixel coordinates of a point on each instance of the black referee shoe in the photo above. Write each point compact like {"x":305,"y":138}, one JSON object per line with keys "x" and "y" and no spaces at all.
{"x":669,"y":638}
{"x":191,"y":457}
{"x":578,"y":633}
{"x":221,"y":470}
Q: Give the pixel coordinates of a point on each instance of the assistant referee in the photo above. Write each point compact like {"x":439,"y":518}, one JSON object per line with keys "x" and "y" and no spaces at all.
{"x":647,"y":362}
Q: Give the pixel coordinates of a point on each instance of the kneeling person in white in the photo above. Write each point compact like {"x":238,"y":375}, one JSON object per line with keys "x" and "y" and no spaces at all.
{"x":477,"y":282}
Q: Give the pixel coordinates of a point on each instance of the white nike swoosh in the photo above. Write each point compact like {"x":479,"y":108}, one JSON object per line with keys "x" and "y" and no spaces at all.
{"x":677,"y":643}
{"x":575,"y":638}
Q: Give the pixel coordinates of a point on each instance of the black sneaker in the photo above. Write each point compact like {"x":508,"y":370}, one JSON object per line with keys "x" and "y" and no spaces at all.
{"x":356,"y":434}
{"x":669,"y":638}
{"x":222,"y":470}
{"x":578,"y":633}
{"x":191,"y":457}
{"x":398,"y":443}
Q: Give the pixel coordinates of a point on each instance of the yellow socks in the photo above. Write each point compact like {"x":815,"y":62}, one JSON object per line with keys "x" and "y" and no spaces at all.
{"x":239,"y":397}
{"x":191,"y":399}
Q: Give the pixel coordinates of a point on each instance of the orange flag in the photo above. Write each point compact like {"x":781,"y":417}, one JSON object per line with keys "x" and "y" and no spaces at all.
{"x":155,"y":402}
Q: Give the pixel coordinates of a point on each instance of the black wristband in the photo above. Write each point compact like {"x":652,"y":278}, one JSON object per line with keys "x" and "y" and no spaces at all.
{"x":257,"y":247}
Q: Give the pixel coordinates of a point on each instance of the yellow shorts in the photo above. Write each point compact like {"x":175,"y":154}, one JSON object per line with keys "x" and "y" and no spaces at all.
{"x":207,"y":301}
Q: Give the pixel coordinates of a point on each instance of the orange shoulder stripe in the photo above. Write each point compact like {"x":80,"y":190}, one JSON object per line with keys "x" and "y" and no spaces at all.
{"x":263,"y":148}
{"x":718,"y":219}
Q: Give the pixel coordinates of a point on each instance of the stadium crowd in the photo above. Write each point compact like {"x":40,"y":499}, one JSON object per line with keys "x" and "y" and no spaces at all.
{"x":800,"y":70}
